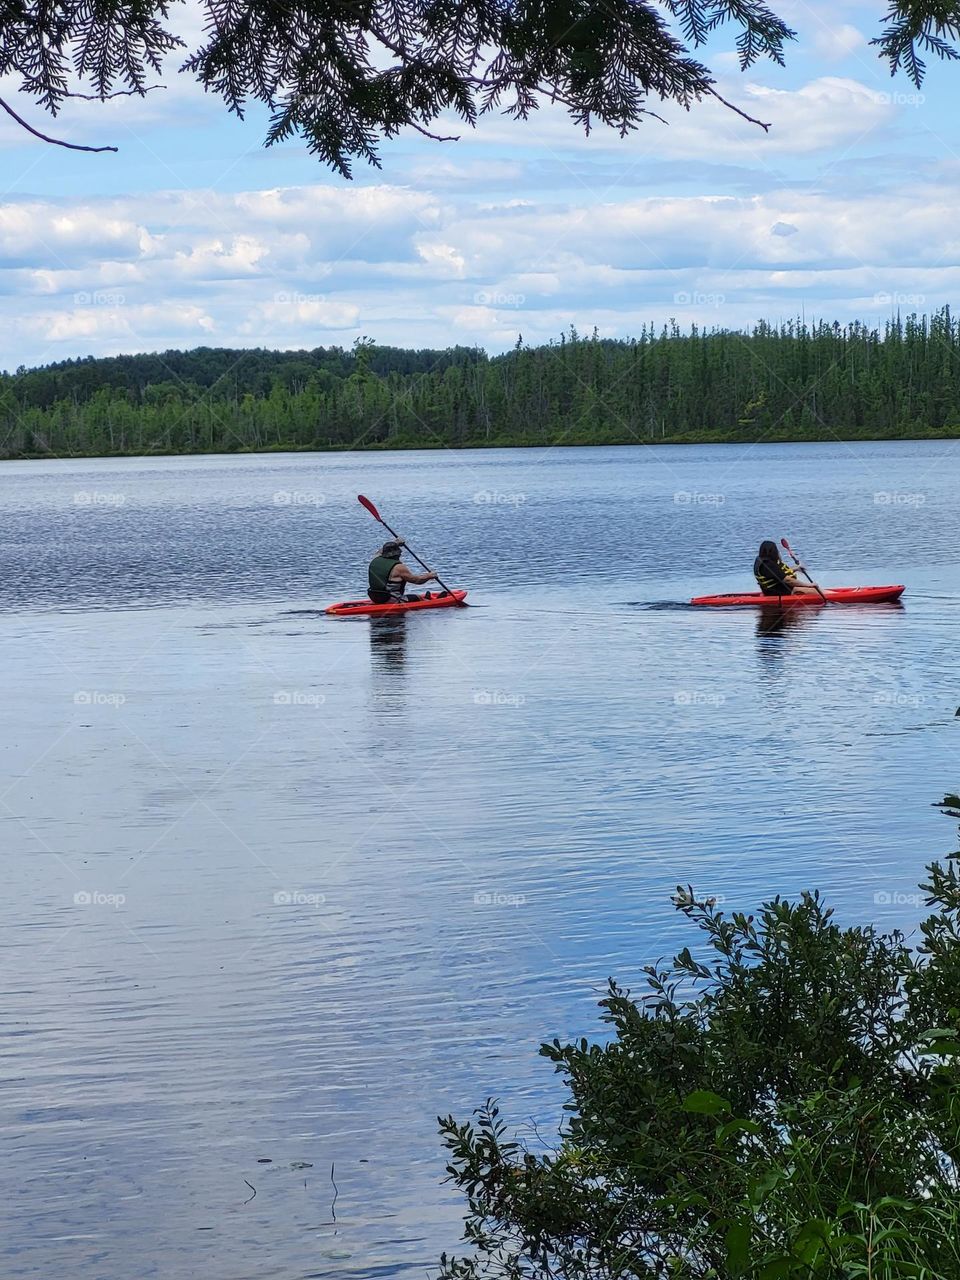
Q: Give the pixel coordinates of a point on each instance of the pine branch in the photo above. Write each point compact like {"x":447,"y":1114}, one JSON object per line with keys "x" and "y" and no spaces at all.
{"x":56,"y":142}
{"x":115,"y":93}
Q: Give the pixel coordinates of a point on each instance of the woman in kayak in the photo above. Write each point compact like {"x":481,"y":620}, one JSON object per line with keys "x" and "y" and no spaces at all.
{"x":775,"y":578}
{"x":388,"y":576}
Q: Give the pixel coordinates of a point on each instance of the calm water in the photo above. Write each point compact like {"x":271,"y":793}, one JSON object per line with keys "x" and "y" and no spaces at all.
{"x":281,"y":888}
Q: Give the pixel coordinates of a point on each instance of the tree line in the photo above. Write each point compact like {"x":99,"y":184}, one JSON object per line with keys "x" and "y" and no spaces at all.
{"x":792,"y":381}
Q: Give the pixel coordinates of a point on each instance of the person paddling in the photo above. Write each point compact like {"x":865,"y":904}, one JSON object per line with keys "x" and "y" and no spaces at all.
{"x":775,"y":578}
{"x":388,"y":576}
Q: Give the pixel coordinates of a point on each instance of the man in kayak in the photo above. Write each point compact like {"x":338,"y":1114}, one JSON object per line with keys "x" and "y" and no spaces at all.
{"x":388,"y":576}
{"x":775,"y":578}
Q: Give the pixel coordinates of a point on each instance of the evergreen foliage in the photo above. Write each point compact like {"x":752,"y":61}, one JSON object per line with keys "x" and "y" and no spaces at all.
{"x":344,"y":75}
{"x":782,"y":1105}
{"x":793,"y":382}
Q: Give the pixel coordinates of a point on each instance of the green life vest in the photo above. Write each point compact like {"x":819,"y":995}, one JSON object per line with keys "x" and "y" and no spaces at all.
{"x":378,"y":576}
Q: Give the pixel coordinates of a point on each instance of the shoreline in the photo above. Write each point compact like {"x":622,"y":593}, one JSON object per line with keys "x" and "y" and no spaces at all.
{"x":531,"y":442}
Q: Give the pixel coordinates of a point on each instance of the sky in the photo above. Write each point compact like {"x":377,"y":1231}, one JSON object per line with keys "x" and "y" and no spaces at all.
{"x":194,"y":234}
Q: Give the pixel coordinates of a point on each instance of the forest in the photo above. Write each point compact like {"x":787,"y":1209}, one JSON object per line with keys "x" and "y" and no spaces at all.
{"x":794,"y":381}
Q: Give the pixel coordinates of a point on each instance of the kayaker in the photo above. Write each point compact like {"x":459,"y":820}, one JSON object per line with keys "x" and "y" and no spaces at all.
{"x":775,"y":578}
{"x":388,"y":576}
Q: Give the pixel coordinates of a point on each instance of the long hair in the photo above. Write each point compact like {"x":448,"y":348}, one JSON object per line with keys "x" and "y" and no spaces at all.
{"x":769,"y":552}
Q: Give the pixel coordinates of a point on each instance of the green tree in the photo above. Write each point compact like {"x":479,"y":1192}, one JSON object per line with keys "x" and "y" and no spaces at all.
{"x":345,"y":75}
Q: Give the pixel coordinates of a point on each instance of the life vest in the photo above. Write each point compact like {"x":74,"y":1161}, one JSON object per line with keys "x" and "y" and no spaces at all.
{"x":378,"y":580}
{"x":768,"y":581}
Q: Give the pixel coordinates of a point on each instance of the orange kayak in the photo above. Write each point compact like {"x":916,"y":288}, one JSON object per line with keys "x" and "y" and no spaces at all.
{"x":835,"y":595}
{"x":347,"y":607}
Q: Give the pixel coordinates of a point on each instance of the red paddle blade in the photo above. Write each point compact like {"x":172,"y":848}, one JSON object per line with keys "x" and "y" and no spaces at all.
{"x":783,"y":542}
{"x":365,"y":502}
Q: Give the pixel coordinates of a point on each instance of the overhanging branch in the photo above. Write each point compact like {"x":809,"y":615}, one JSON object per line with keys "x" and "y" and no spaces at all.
{"x":56,"y":142}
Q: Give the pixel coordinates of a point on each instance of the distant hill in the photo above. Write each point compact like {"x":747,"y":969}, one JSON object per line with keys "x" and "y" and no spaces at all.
{"x":226,"y":372}
{"x":789,"y":382}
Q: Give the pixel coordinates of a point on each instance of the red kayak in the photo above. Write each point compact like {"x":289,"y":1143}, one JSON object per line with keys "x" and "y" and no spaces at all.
{"x":835,"y":595}
{"x":346,"y":607}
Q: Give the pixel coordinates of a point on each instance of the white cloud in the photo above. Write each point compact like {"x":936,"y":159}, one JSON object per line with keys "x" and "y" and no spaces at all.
{"x":837,"y":42}
{"x":90,"y":325}
{"x":294,"y":312}
{"x":824,"y":112}
{"x":314,"y":264}
{"x":442,"y":256}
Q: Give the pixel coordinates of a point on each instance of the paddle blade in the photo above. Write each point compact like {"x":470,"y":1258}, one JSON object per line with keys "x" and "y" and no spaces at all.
{"x":783,"y":542}
{"x":365,"y":502}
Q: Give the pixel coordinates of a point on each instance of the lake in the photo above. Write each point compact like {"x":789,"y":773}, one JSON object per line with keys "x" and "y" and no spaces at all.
{"x":281,"y":888}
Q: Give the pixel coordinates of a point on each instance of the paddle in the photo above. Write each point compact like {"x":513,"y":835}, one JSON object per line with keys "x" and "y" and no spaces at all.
{"x":365,"y":502}
{"x":796,"y":560}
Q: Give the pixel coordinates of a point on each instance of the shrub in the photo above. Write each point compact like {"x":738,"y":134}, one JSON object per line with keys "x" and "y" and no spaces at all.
{"x":786,"y":1105}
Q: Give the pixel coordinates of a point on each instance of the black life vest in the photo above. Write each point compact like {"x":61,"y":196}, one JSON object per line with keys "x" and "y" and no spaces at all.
{"x":380,"y":588}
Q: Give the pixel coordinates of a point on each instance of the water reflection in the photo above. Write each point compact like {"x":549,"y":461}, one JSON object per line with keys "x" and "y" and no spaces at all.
{"x":777,"y":632}
{"x":773,"y":620}
{"x":388,"y":637}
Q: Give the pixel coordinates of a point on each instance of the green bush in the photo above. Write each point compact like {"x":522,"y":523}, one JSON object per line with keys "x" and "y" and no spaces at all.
{"x":786,"y":1105}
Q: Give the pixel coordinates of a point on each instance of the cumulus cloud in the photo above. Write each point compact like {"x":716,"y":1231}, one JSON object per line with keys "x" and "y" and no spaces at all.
{"x":837,"y":42}
{"x":484,"y":245}
{"x":187,"y":267}
{"x":828,"y":111}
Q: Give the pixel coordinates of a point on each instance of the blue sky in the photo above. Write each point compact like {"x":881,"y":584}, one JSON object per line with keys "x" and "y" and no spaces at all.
{"x":195,"y":235}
